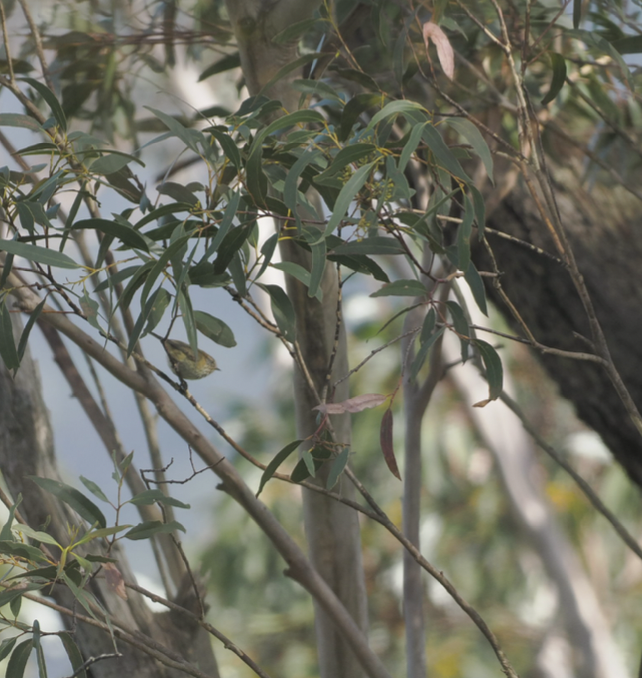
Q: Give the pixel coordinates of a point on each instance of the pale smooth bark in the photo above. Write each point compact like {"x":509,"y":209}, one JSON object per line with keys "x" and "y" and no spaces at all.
{"x":332,"y":529}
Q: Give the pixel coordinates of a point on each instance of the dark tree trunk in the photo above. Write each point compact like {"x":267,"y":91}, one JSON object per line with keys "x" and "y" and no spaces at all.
{"x":603,"y":226}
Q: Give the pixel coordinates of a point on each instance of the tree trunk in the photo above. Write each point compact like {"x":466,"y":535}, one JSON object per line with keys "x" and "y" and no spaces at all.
{"x":332,"y":529}
{"x":602,"y":223}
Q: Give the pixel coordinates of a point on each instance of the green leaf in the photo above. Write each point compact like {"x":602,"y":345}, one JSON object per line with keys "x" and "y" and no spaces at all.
{"x":596,"y":41}
{"x":476,"y":285}
{"x":319,"y":455}
{"x":290,"y":188}
{"x":35,"y":535}
{"x":18,"y":120}
{"x":8,"y":350}
{"x":559,"y":77}
{"x":255,"y":179}
{"x":494,"y":369}
{"x":75,"y":657}
{"x":296,"y":30}
{"x":113,"y":161}
{"x":187,"y":314}
{"x":442,"y":153}
{"x":189,"y":137}
{"x":395,"y":108}
{"x":230,"y":245}
{"x":288,"y":68}
{"x":317,"y":88}
{"x":228,"y":145}
{"x":422,"y":353}
{"x":151,"y":527}
{"x":159,"y":266}
{"x":473,"y":136}
{"x":90,"y":535}
{"x":158,"y":302}
{"x":19,"y":658}
{"x":306,"y":456}
{"x":401,"y":288}
{"x":6,"y":646}
{"x":428,"y":326}
{"x":148,"y":497}
{"x":19,"y":550}
{"x":318,"y":267}
{"x":126,"y":234}
{"x":226,"y":223}
{"x":179,"y":193}
{"x":630,"y":45}
{"x":369,"y":246}
{"x":346,"y":156}
{"x":464,"y":232}
{"x":84,"y":507}
{"x":282,"y":310}
{"x":462,"y":328}
{"x":577,"y":13}
{"x":337,"y":467}
{"x":227,"y":63}
{"x":42,"y":666}
{"x":40,"y":255}
{"x":6,"y":534}
{"x":411,"y":145}
{"x":24,"y":337}
{"x":214,"y":329}
{"x":354,"y":108}
{"x":15,"y":606}
{"x":347,"y":195}
{"x":94,"y":489}
{"x":272,"y":467}
{"x":50,"y":99}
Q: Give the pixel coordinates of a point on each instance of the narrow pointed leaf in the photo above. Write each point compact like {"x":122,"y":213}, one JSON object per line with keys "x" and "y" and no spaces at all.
{"x":40,"y":255}
{"x":272,"y":467}
{"x":84,"y":507}
{"x":385,"y":438}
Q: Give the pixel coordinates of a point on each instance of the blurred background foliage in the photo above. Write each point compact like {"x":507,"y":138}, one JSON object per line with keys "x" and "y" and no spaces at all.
{"x":112,"y":57}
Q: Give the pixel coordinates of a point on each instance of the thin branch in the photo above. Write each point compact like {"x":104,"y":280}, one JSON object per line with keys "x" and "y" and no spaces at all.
{"x":227,"y":643}
{"x":299,"y":566}
{"x":588,"y":491}
{"x":37,"y":39}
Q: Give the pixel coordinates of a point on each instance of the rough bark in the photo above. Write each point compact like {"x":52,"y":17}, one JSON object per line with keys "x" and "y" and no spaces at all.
{"x":603,"y":228}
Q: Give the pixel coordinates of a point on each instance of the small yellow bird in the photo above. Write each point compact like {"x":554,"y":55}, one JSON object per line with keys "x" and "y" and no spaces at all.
{"x":182,"y":360}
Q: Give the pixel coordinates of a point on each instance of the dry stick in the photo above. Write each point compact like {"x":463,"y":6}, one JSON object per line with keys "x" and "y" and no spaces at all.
{"x":38,"y":43}
{"x":436,"y":574}
{"x":378,"y":515}
{"x":7,"y":49}
{"x":627,"y":538}
{"x":560,"y":237}
{"x":553,"y":127}
{"x":227,"y":643}
{"x":299,"y":567}
{"x":632,"y":144}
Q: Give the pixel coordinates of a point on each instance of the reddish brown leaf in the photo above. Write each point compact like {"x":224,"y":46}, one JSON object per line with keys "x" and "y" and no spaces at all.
{"x":385,"y":437}
{"x":115,"y":580}
{"x":444,"y":50}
